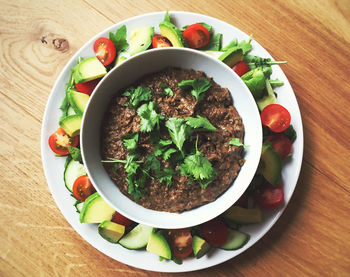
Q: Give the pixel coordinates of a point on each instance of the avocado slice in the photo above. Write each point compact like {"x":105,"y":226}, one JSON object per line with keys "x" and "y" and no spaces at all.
{"x":242,"y":215}
{"x":232,"y":56}
{"x":200,"y":247}
{"x":172,"y":33}
{"x":77,"y":100}
{"x":71,"y":124}
{"x":157,"y":244}
{"x":88,"y":69}
{"x":95,"y":210}
{"x":111,"y":231}
{"x":140,"y":39}
{"x":270,"y":165}
{"x":268,"y":99}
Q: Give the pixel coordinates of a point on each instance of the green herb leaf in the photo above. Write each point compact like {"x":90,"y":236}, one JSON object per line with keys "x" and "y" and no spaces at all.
{"x":167,"y":17}
{"x":214,"y":43}
{"x":136,"y":96}
{"x":119,"y":39}
{"x":231,"y":44}
{"x":166,"y":175}
{"x":75,"y":153}
{"x":237,"y":142}
{"x":149,"y":117}
{"x":200,"y":122}
{"x":178,"y":131}
{"x":199,"y":86}
{"x":130,"y":142}
{"x":166,"y":90}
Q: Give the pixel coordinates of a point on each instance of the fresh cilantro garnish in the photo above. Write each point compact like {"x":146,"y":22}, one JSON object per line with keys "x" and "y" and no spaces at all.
{"x":119,"y":39}
{"x":163,"y":147}
{"x":237,"y":142}
{"x":200,"y":122}
{"x":166,"y":175}
{"x":198,"y":86}
{"x":149,"y":117}
{"x":197,"y":167}
{"x":178,"y":130}
{"x":136,"y":96}
{"x":166,"y":90}
{"x":75,"y":153}
{"x":130,"y":142}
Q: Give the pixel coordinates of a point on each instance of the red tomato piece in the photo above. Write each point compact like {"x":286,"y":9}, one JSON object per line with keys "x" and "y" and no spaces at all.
{"x":269,"y":196}
{"x":276,"y":117}
{"x":181,"y":242}
{"x":241,"y":68}
{"x":281,"y":144}
{"x":196,"y":36}
{"x":120,"y":219}
{"x":82,"y":188}
{"x":59,"y":142}
{"x":87,"y":87}
{"x":105,"y":50}
{"x":159,"y":41}
{"x":215,"y":232}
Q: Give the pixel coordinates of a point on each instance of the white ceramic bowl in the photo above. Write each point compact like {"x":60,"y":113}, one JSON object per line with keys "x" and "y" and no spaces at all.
{"x":125,"y":75}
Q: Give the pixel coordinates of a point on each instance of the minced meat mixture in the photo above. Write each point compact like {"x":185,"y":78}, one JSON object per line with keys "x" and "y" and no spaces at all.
{"x":216,"y":106}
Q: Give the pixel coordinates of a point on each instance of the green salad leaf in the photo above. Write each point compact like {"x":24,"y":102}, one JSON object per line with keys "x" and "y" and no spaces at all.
{"x":119,"y":39}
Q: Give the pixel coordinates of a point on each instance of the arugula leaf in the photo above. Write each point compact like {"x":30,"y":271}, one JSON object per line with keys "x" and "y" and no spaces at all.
{"x":276,"y":83}
{"x":178,"y":131}
{"x":166,"y":90}
{"x":65,"y":103}
{"x":137,"y":95}
{"x":199,"y":86}
{"x":200,"y":122}
{"x":119,"y":39}
{"x":167,"y":17}
{"x":214,"y":43}
{"x":75,"y":153}
{"x":245,"y":45}
{"x":231,"y":44}
{"x":198,"y":167}
{"x":130,"y":142}
{"x":149,"y":117}
{"x":237,"y":142}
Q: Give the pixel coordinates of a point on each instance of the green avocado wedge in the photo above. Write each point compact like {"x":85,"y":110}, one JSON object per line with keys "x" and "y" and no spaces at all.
{"x":111,"y":231}
{"x":172,"y":33}
{"x":158,"y":245}
{"x":270,"y":165}
{"x":200,"y":246}
{"x":88,"y":69}
{"x":95,"y":210}
{"x":71,"y":124}
{"x":140,"y":39}
{"x":77,"y":100}
{"x":232,"y":56}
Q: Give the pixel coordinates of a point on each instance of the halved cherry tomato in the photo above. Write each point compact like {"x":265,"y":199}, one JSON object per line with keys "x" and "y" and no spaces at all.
{"x":196,"y":36}
{"x":120,"y":219}
{"x":241,"y":68}
{"x":215,"y":232}
{"x":87,"y":87}
{"x":269,"y":196}
{"x":276,"y":117}
{"x":281,"y":144}
{"x":59,"y":142}
{"x":105,"y":50}
{"x":181,"y":242}
{"x":82,"y":188}
{"x":159,"y":41}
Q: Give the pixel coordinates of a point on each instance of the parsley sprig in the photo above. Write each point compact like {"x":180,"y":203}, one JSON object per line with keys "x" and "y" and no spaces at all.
{"x":198,"y":87}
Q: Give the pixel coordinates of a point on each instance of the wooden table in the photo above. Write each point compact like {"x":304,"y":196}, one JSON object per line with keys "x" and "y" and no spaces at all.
{"x":312,"y":238}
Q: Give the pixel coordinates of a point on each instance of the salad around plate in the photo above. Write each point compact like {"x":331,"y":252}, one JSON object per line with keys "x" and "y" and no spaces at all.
{"x":265,"y":191}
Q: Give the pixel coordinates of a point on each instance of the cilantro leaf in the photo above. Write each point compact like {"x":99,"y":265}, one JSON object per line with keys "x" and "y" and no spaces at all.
{"x":200,"y":122}
{"x":136,"y":96}
{"x":163,"y":147}
{"x":166,"y":175}
{"x":178,"y":131}
{"x":237,"y":142}
{"x":198,"y":86}
{"x":166,"y":90}
{"x":119,"y":39}
{"x":75,"y":153}
{"x":130,"y":142}
{"x":149,"y":117}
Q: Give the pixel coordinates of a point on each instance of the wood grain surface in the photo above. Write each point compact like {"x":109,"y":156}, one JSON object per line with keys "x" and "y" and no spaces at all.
{"x":37,"y":38}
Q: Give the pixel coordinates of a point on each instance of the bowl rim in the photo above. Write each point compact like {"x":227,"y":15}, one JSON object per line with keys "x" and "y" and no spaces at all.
{"x":155,"y":214}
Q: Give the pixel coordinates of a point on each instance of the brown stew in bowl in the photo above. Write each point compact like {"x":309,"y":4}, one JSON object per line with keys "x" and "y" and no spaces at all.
{"x":165,"y":140}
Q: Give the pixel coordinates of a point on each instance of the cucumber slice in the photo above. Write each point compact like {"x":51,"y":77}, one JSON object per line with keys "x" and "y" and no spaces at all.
{"x":73,"y":170}
{"x":236,"y":240}
{"x":137,"y":238}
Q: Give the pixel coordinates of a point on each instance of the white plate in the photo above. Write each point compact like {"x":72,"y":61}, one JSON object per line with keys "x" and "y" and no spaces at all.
{"x":54,"y":166}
